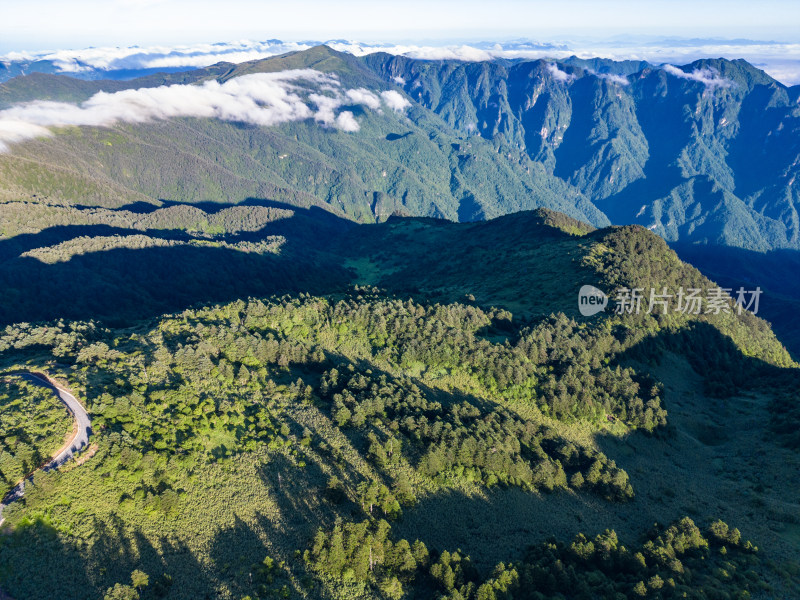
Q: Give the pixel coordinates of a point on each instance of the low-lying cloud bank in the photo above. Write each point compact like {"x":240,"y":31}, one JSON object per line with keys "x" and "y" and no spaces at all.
{"x":708,"y":77}
{"x":781,"y":60}
{"x":611,"y":77}
{"x":263,"y":99}
{"x":134,"y":58}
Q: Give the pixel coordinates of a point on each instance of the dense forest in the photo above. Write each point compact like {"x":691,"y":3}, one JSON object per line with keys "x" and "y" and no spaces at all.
{"x":673,"y":562}
{"x":402,"y":428}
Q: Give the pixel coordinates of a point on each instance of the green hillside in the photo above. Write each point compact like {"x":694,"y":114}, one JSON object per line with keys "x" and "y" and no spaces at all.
{"x":334,"y":364}
{"x":34,"y":426}
{"x":423,"y":434}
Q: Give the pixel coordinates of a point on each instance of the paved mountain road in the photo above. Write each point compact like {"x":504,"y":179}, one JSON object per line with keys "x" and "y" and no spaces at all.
{"x":80,"y":439}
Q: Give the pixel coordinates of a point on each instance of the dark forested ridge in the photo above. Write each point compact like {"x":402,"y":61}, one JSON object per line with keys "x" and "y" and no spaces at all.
{"x":774,"y":272}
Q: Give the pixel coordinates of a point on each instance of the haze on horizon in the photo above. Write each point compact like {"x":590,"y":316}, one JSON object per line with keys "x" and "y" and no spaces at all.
{"x":51,"y":24}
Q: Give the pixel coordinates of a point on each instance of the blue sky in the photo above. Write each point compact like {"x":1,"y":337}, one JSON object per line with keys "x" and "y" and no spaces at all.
{"x":44,"y":24}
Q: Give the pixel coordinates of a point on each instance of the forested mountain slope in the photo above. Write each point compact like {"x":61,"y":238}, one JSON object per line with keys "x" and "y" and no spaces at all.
{"x":707,"y":152}
{"x":422,"y":434}
{"x":704,"y":155}
{"x":409,"y":161}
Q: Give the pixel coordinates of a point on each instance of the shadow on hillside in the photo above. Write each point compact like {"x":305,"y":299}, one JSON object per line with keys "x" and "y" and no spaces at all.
{"x":732,"y":421}
{"x":38,"y":562}
{"x":670,"y":478}
{"x":727,"y":371}
{"x":775,"y":272}
{"x":120,"y":285}
{"x":576,"y":148}
{"x":120,"y":281}
{"x":297,"y":490}
{"x":713,"y":355}
{"x":237,"y":554}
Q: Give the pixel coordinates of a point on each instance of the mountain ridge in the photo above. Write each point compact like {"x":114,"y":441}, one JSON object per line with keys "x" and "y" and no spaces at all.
{"x":707,"y":156}
{"x":704,"y":152}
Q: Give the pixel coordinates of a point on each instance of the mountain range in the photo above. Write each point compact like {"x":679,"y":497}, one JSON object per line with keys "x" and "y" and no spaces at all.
{"x":703,"y":153}
{"x":324,"y":315}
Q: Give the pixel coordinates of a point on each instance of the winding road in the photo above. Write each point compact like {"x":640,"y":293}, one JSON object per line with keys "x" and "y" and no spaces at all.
{"x":79,"y":439}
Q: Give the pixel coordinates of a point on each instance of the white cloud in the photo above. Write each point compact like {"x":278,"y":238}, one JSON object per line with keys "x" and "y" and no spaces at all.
{"x":347,"y":122}
{"x":558,"y":74}
{"x":462,"y":52}
{"x":157,"y":57}
{"x":203,"y":60}
{"x":260,"y":99}
{"x":780,"y":60}
{"x":326,"y":107}
{"x":19,"y":131}
{"x":395,"y":100}
{"x":399,"y":80}
{"x":465,"y":53}
{"x":709,"y":77}
{"x":365,"y":97}
{"x":616,"y":79}
{"x":787,"y":72}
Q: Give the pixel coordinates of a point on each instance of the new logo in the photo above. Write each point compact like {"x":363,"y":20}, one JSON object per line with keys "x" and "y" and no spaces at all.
{"x":591,"y":300}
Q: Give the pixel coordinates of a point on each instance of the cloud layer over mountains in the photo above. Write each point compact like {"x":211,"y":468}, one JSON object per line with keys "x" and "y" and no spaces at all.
{"x":781,"y":60}
{"x":263,"y":99}
{"x":156,"y":57}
